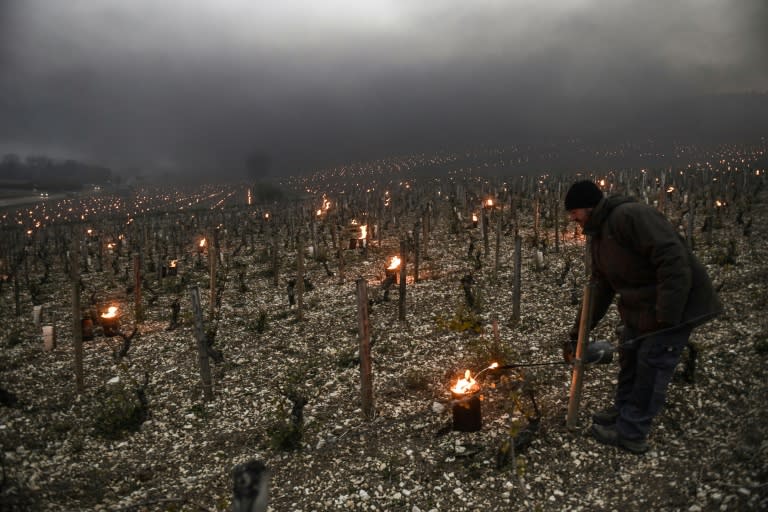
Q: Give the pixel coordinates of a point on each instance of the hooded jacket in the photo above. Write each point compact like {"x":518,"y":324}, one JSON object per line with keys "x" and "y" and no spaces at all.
{"x":638,"y":255}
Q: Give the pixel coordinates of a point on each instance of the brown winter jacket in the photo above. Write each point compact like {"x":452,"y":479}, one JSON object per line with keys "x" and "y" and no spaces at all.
{"x":638,"y":255}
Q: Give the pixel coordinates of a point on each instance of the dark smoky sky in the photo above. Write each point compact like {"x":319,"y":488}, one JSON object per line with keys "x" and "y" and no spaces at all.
{"x":173,"y":84}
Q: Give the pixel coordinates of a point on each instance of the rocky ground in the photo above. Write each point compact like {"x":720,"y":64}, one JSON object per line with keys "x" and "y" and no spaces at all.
{"x":66,"y":451}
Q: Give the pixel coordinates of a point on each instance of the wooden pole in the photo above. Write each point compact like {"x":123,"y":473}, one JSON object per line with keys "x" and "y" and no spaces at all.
{"x":416,"y":254}
{"x":557,"y":219}
{"x":77,"y":326}
{"x":517,"y":285}
{"x":577,"y":377}
{"x":300,"y":277}
{"x":426,"y":228}
{"x":137,"y":287}
{"x":16,"y":293}
{"x":691,"y":222}
{"x":403,"y":273}
{"x":202,"y":348}
{"x":497,"y":250}
{"x":275,"y":259}
{"x":536,"y":220}
{"x":364,"y":336}
{"x":213,"y":256}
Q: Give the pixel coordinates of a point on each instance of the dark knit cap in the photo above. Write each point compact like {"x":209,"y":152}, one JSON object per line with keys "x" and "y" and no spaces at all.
{"x":583,"y":194}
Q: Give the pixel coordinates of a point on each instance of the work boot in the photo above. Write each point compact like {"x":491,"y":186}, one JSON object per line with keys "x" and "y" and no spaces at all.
{"x":609,"y":435}
{"x":607,"y":416}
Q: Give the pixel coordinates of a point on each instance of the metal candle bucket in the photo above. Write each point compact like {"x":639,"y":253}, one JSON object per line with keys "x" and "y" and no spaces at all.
{"x":467,"y":416}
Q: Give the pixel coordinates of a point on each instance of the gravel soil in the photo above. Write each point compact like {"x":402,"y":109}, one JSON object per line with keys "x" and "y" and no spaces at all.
{"x":63,"y":450}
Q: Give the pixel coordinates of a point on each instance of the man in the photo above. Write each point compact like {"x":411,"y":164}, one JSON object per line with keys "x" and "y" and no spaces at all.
{"x":663,"y":293}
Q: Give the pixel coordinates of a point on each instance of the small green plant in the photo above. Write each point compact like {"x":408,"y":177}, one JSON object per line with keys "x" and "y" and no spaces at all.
{"x":463,"y":320}
{"x":187,"y":317}
{"x":260,"y":323}
{"x":282,"y":315}
{"x":284,"y":436}
{"x":199,"y":410}
{"x":348,"y":360}
{"x":761,"y":342}
{"x":285,"y":433}
{"x":725,"y":255}
{"x":484,"y":350}
{"x":15,"y":337}
{"x":120,"y":410}
{"x":416,"y":380}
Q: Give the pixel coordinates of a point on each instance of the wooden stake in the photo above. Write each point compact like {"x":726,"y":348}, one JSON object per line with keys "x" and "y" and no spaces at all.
{"x":275,"y":259}
{"x":425,"y":226}
{"x":213,"y":257}
{"x":403,"y":259}
{"x":485,"y":228}
{"x":300,"y":277}
{"x":16,"y":293}
{"x":202,"y":348}
{"x":516,"y":287}
{"x":77,"y":326}
{"x":137,"y":287}
{"x":416,"y":254}
{"x":364,"y":336}
{"x":691,"y":222}
{"x":577,"y":377}
{"x":557,"y":219}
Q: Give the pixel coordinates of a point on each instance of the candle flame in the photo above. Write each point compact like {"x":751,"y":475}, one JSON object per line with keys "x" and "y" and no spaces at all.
{"x":111,"y":312}
{"x":363,"y":231}
{"x":202,"y":243}
{"x":394,"y":263}
{"x":172,"y":264}
{"x":465,"y":385}
{"x":474,"y":217}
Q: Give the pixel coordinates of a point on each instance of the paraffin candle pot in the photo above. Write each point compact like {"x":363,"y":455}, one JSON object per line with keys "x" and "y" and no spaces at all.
{"x":467,"y":413}
{"x":110,"y":322}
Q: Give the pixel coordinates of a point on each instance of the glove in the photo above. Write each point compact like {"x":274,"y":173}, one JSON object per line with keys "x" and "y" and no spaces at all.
{"x":569,"y":350}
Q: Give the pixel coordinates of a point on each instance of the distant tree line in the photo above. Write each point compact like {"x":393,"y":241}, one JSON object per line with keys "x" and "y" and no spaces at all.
{"x":44,"y":173}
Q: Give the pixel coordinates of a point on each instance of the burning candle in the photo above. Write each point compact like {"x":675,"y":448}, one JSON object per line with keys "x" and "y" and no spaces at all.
{"x":390,"y":273}
{"x":110,"y":321}
{"x":363,"y":233}
{"x":467,"y":415}
{"x":465,"y":385}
